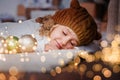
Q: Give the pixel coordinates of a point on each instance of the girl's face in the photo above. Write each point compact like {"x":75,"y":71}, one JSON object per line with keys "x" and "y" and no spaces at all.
{"x":62,"y":37}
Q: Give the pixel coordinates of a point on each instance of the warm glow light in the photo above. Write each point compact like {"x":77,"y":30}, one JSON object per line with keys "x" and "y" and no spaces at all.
{"x":114,"y":44}
{"x":20,"y":21}
{"x":113,"y":52}
{"x":110,"y":37}
{"x":117,"y":38}
{"x":90,"y":74}
{"x":98,"y":55}
{"x":116,"y":68}
{"x":1,"y":33}
{"x":77,"y":60}
{"x":12,"y":43}
{"x":106,"y":72}
{"x":69,"y":55}
{"x":104,"y":43}
{"x":53,"y":73}
{"x":12,"y":78}
{"x":27,"y":59}
{"x":82,"y":68}
{"x":97,"y":77}
{"x":90,"y":58}
{"x":22,"y":59}
{"x":70,"y":68}
{"x":2,"y":42}
{"x":43,"y":59}
{"x":13,"y":71}
{"x":2,"y":76}
{"x":61,"y":62}
{"x":58,"y":70}
{"x":27,"y":43}
{"x":83,"y":54}
{"x":106,"y":52}
{"x":43,"y":70}
{"x":97,"y":67}
{"x":2,"y":57}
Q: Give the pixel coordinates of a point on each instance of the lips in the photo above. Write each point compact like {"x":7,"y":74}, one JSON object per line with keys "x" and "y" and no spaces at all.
{"x":58,"y":45}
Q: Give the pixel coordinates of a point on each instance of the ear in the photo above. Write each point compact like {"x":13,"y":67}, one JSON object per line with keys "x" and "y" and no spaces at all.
{"x":75,"y":4}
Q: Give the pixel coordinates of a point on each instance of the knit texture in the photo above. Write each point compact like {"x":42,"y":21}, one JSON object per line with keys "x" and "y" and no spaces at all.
{"x":79,"y":20}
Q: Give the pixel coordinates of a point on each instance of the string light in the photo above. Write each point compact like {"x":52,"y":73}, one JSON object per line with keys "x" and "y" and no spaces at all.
{"x":13,"y":44}
{"x":110,"y":53}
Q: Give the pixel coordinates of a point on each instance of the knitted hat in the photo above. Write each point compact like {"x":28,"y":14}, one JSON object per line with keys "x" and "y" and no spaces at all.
{"x":79,"y":20}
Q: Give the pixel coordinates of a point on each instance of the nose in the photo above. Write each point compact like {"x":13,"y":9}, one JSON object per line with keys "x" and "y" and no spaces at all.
{"x":65,"y":40}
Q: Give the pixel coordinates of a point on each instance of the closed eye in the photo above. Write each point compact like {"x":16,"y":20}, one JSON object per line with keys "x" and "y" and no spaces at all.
{"x":73,"y":43}
{"x":64,"y":33}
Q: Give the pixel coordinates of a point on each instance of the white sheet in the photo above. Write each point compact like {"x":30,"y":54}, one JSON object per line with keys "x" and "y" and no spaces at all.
{"x":38,"y":60}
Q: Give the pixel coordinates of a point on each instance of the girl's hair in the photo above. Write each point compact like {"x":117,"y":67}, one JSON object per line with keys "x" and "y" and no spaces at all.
{"x":47,"y":23}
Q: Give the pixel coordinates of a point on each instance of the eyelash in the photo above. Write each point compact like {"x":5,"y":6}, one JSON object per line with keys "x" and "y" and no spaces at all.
{"x":64,"y":33}
{"x":72,"y":44}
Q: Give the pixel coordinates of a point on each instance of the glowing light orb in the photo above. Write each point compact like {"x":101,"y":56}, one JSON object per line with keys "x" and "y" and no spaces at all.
{"x":27,"y":43}
{"x":12,"y":43}
{"x":104,"y":43}
{"x":2,"y":47}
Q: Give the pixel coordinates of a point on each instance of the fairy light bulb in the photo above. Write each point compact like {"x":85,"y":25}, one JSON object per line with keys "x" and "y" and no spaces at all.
{"x":2,"y":47}
{"x":12,"y":44}
{"x":27,"y":43}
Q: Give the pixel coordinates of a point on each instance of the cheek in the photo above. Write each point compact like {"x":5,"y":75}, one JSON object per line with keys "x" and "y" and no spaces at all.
{"x":52,"y":43}
{"x":55,"y":35}
{"x":69,"y":47}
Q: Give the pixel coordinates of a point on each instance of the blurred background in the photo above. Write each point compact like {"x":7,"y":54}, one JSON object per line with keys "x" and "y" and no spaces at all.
{"x":24,"y":8}
{"x":12,"y":10}
{"x":15,"y":10}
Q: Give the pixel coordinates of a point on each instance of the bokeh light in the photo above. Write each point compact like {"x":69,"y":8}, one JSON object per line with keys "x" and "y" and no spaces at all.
{"x":13,"y":71}
{"x":97,"y":67}
{"x":82,"y":68}
{"x":12,"y":78}
{"x":106,"y":72}
{"x":2,"y":76}
{"x":89,"y":74}
{"x":116,"y":68}
{"x":58,"y":70}
{"x":97,"y":77}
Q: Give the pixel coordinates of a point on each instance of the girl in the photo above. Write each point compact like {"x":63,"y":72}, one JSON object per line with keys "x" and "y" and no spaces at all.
{"x":66,"y":29}
{"x":69,"y":28}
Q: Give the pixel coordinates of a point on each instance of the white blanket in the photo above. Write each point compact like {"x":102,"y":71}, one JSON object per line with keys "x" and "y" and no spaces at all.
{"x":38,"y":60}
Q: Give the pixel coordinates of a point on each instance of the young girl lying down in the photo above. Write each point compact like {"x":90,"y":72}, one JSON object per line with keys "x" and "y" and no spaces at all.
{"x":66,"y":29}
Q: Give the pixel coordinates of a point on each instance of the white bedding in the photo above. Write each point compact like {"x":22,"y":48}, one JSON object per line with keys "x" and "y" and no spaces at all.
{"x":38,"y":60}
{"x":35,"y":62}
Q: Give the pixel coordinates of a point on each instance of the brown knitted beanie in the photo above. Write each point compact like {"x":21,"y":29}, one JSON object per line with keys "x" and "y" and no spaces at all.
{"x":78,"y":19}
